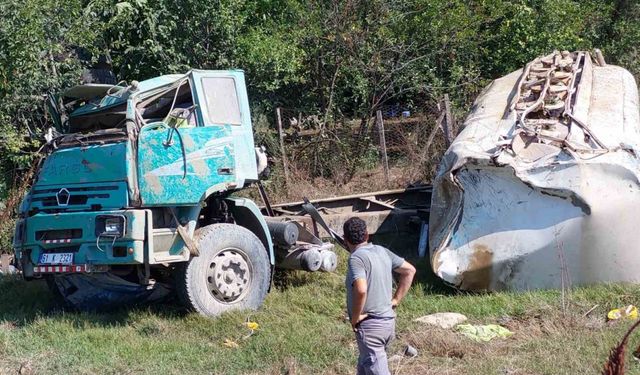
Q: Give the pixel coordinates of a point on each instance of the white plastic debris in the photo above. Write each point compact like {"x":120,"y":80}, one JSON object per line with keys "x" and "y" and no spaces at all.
{"x":446,"y":320}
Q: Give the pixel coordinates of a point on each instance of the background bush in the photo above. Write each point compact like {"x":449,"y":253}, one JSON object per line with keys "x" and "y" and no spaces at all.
{"x":336,"y":58}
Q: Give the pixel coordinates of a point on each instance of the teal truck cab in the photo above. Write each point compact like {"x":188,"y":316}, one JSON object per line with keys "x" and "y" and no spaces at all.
{"x":137,"y":185}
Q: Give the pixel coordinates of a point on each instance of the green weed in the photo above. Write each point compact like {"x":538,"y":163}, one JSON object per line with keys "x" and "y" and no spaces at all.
{"x":302,"y":331}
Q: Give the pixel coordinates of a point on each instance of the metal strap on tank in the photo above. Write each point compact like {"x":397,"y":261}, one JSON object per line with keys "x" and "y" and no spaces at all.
{"x":546,"y":96}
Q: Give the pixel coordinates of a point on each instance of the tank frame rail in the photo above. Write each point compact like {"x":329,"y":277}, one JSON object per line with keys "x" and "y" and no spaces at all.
{"x":545,"y":97}
{"x":385,"y":212}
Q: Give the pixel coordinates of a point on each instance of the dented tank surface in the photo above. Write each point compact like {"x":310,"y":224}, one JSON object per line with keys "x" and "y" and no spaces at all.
{"x":541,"y":188}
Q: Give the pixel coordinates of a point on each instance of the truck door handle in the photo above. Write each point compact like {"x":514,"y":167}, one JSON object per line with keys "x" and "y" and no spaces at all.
{"x":225,"y":171}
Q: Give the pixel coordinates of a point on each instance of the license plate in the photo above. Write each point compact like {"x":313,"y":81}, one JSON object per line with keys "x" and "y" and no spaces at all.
{"x":58,"y":258}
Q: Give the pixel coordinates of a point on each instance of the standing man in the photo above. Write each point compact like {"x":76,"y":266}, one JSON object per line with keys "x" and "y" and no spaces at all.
{"x":370,"y":302}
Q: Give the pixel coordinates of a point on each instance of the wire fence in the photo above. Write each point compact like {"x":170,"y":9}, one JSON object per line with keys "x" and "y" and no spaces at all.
{"x":394,"y":149}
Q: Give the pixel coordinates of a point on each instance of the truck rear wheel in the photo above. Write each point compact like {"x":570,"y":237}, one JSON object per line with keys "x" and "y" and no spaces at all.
{"x":231,"y":272}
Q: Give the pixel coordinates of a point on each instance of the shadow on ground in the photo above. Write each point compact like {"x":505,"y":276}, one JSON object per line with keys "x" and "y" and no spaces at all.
{"x":22,"y":302}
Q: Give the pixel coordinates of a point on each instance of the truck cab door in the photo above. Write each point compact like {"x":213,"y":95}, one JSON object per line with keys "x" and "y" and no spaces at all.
{"x":206,"y":153}
{"x":223,"y":103}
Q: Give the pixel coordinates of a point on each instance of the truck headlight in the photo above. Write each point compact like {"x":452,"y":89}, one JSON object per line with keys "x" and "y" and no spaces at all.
{"x":110,"y":226}
{"x":113,"y":225}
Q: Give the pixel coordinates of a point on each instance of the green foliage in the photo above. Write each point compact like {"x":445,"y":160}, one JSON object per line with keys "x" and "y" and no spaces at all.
{"x":147,"y":39}
{"x":340,"y":59}
{"x":519,"y":36}
{"x":348,"y":56}
{"x":36,"y":41}
{"x":303,"y":331}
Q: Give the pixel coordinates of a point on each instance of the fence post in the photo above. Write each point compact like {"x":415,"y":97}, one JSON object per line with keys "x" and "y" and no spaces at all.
{"x":448,"y":123}
{"x":285,"y":162}
{"x":383,"y":145}
{"x":432,"y":135}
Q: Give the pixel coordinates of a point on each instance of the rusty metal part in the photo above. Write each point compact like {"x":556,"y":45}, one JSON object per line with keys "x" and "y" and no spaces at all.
{"x":386,"y":212}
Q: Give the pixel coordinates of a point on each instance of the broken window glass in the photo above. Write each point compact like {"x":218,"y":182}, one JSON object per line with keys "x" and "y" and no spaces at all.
{"x":157,"y":107}
{"x":222,"y":101}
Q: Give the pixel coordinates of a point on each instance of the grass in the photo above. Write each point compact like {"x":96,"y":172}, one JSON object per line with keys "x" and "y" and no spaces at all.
{"x":302,"y":331}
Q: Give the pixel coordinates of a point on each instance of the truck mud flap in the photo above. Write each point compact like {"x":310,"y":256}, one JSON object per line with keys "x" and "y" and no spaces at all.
{"x":105,"y":291}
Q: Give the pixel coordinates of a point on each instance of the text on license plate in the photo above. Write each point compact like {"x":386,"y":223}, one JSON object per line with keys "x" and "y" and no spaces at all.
{"x":58,"y":258}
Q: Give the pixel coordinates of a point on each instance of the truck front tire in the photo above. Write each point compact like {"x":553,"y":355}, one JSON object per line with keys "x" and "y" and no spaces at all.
{"x":231,"y":272}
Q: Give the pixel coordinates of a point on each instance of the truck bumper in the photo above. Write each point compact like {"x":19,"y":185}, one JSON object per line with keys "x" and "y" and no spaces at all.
{"x":79,"y":233}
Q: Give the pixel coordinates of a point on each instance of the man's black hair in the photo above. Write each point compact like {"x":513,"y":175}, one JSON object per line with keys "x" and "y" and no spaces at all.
{"x":355,"y":231}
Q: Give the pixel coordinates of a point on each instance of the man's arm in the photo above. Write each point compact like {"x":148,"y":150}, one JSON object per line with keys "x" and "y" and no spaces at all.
{"x":406,"y":272}
{"x":358,"y":298}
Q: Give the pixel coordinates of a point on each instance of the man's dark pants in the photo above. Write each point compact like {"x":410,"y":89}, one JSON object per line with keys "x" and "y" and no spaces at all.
{"x":374,"y":336}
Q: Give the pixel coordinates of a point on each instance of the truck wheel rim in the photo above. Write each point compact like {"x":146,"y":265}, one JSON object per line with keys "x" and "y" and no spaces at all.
{"x":229,"y":276}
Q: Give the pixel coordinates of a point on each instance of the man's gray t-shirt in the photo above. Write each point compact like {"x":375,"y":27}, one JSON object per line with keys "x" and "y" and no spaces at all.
{"x":374,"y":264}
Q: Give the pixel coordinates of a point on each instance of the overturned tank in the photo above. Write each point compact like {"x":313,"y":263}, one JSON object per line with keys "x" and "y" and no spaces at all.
{"x":541,"y":188}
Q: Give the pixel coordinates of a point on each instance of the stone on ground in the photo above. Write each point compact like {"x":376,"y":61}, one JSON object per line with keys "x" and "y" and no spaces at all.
{"x":446,"y":320}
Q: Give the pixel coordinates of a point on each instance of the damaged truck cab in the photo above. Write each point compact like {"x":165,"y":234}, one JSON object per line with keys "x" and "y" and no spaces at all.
{"x":138,"y":186}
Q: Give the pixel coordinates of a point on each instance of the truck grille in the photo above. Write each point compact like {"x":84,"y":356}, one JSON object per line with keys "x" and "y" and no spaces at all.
{"x":58,"y":234}
{"x":78,"y":197}
{"x":62,"y":249}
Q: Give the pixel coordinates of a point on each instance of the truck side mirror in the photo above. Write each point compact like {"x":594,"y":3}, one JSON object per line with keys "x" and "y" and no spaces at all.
{"x":181,"y":117}
{"x":178,"y":118}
